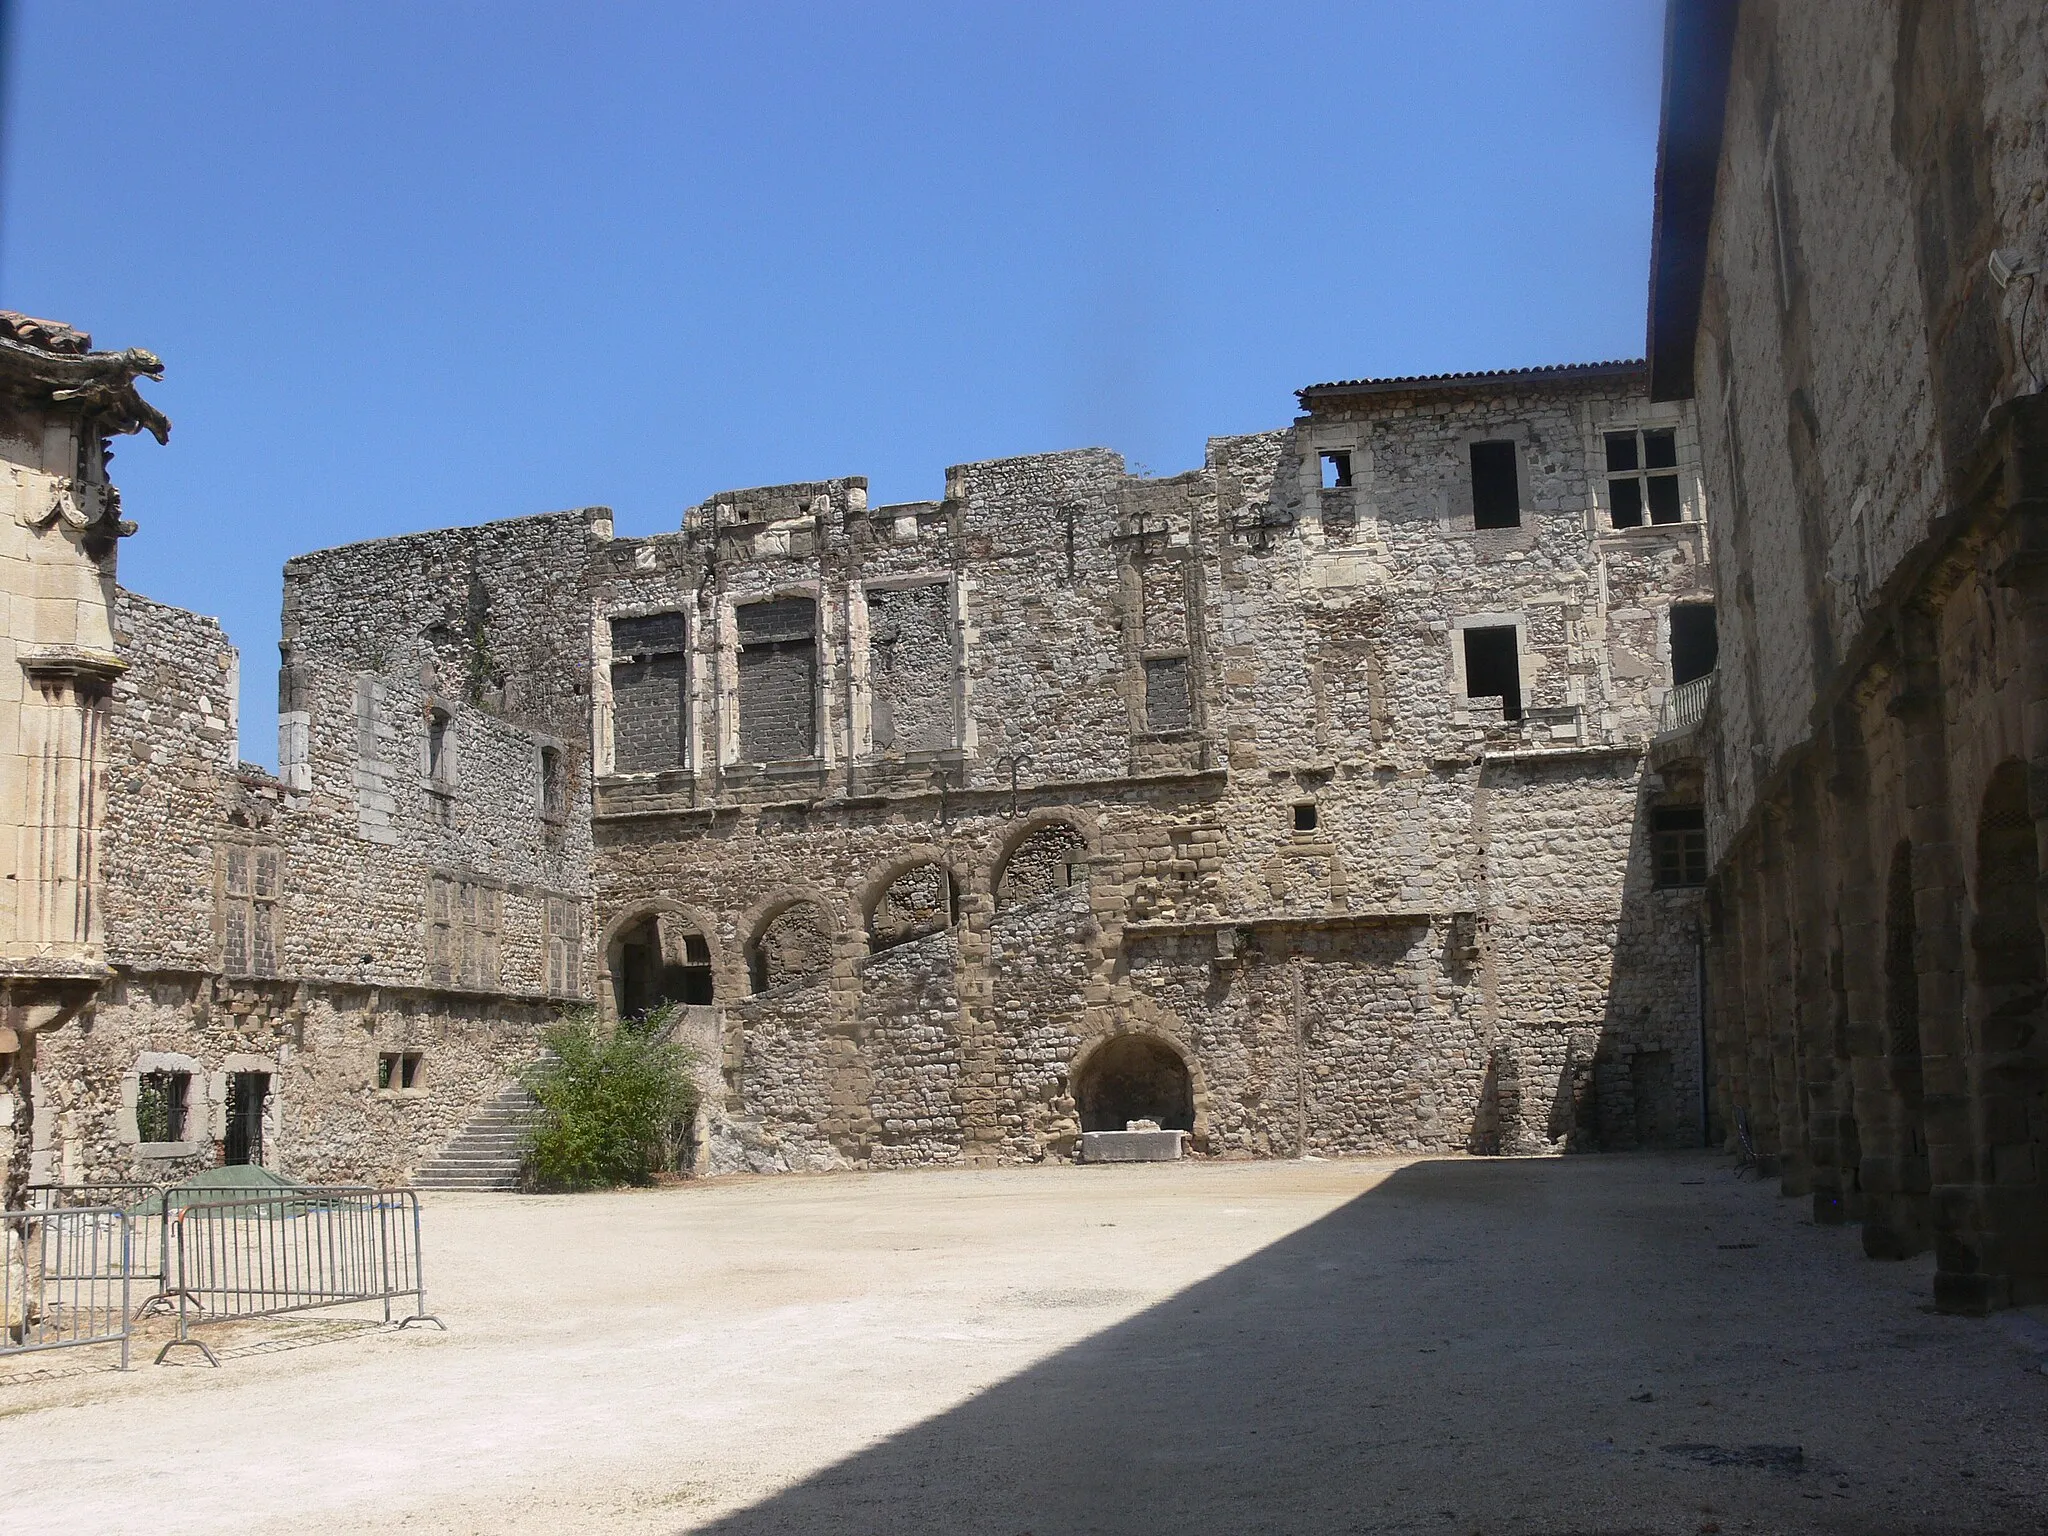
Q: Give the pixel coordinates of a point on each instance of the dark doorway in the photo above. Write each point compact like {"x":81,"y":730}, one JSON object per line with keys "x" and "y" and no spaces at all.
{"x":1695,"y":641}
{"x":247,"y":1094}
{"x":655,"y":964}
{"x":1135,"y":1077}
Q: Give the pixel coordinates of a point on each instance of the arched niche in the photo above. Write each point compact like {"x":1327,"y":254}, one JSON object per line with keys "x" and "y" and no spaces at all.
{"x":921,"y":899}
{"x":790,"y":947}
{"x":1050,"y":857}
{"x":1134,"y":1076}
{"x":658,"y":957}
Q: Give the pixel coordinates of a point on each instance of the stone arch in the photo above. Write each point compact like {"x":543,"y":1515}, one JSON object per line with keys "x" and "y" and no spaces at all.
{"x":656,"y":952}
{"x":1134,"y":1074}
{"x":1038,"y":858}
{"x":910,"y":898}
{"x":791,"y":940}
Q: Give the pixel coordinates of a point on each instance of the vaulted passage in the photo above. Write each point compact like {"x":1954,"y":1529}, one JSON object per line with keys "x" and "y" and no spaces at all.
{"x":1131,"y":1078}
{"x":659,"y":961}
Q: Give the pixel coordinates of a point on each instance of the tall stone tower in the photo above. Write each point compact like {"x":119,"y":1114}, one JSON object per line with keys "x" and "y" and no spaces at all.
{"x":60,"y":403}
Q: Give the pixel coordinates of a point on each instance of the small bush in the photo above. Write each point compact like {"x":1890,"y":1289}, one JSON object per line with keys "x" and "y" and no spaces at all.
{"x":616,"y":1103}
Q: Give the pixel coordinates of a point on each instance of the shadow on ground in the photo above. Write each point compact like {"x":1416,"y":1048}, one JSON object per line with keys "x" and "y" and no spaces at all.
{"x":1487,"y":1346}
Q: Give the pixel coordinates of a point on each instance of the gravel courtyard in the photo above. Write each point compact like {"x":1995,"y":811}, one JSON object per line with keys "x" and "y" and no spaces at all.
{"x":1598,"y":1344}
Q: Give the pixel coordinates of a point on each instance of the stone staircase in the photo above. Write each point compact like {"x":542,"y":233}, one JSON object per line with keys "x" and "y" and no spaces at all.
{"x":485,"y":1153}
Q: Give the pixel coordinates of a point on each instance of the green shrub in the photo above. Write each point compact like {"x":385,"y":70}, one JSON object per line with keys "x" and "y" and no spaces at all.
{"x":616,"y":1103}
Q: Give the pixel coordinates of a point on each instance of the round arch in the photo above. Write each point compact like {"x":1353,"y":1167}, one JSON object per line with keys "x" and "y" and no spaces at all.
{"x":874,"y":890}
{"x":640,"y":967}
{"x":757,"y":920}
{"x":1136,"y":1074}
{"x":1082,"y":827}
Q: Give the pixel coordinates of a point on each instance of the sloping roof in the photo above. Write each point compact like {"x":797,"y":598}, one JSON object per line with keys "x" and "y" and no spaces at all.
{"x":1699,"y":46}
{"x":1499,"y":378}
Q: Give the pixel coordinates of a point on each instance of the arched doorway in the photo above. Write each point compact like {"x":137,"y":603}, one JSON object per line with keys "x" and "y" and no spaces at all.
{"x":1134,"y":1077}
{"x":659,"y":960}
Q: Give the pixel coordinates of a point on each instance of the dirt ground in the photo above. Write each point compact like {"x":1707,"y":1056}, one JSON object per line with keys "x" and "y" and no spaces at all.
{"x":1599,"y":1344}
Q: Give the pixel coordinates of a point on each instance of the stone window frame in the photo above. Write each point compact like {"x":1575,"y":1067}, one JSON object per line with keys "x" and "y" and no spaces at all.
{"x":859,"y":659}
{"x":1348,"y":502}
{"x":1462,"y":515}
{"x":1640,"y":417}
{"x":481,"y":932}
{"x":1462,"y":712}
{"x":604,"y":705}
{"x":562,"y":925}
{"x":250,"y":902}
{"x":199,"y":1106}
{"x":727,"y":703}
{"x":415,"y":1088}
{"x":551,"y":780}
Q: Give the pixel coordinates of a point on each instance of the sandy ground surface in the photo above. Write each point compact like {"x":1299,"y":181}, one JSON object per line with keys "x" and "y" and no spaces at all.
{"x":1586,"y":1345}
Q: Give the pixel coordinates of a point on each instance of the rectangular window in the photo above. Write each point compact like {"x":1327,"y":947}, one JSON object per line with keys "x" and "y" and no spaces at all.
{"x":1336,"y":470}
{"x":251,"y":881}
{"x":1496,"y":485}
{"x":1642,"y":477}
{"x":399,"y":1070}
{"x":1678,"y":839}
{"x":160,"y":1105}
{"x":1695,"y":641}
{"x":565,"y":942}
{"x":650,"y":693}
{"x":554,"y":794}
{"x":465,"y":920}
{"x":778,"y":667}
{"x":1493,"y":668}
{"x":1168,"y":706}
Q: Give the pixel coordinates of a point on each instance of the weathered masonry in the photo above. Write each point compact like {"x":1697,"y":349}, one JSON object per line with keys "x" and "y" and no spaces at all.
{"x":1303,"y":802}
{"x":1850,"y":240}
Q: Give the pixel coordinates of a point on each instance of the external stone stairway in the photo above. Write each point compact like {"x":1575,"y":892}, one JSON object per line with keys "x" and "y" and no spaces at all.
{"x":486,"y":1152}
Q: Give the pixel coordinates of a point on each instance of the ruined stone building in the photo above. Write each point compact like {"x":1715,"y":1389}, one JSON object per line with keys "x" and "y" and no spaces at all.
{"x":1302,"y":801}
{"x":1851,"y":229}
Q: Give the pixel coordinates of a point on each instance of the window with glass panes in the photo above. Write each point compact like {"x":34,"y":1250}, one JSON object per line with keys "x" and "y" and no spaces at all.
{"x":1678,"y":842}
{"x":1642,"y":477}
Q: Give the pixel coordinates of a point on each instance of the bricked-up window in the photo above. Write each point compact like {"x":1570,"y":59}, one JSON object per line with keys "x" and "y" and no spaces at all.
{"x":1678,"y":841}
{"x":778,"y":666}
{"x":1493,"y":669}
{"x":1496,"y":485}
{"x":650,"y":693}
{"x":1695,"y":641}
{"x":1168,"y":706}
{"x":399,"y":1069}
{"x":465,"y":919}
{"x":160,"y":1105}
{"x":565,"y":946}
{"x":250,"y":882}
{"x":1642,"y":475}
{"x":1336,"y":470}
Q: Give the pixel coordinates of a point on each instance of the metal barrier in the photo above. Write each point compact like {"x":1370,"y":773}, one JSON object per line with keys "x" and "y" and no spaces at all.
{"x":297,"y":1249}
{"x":145,"y":1205}
{"x":64,"y":1278}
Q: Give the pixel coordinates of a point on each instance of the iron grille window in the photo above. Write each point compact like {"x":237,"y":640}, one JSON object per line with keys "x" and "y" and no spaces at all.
{"x":160,"y":1105}
{"x":250,"y":884}
{"x":1678,"y":841}
{"x":1642,"y":476}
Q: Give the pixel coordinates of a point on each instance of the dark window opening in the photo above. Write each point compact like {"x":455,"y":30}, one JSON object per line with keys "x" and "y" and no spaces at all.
{"x":160,"y":1105}
{"x":1134,"y":1077}
{"x":247,"y":1093}
{"x":1493,"y":669}
{"x":1496,"y":487}
{"x":1678,"y":840}
{"x":1642,"y":476}
{"x":398,"y":1069}
{"x":1305,"y":818}
{"x":1336,"y":471}
{"x":656,"y":963}
{"x":1695,"y":641}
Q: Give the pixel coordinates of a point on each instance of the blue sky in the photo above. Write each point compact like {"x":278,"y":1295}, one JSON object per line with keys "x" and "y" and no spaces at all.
{"x":433,"y":263}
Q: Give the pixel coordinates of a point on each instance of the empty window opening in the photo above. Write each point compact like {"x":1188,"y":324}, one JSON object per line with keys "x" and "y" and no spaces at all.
{"x":250,"y":881}
{"x":778,"y":677}
{"x":1695,"y":641}
{"x":1642,"y":477}
{"x":918,"y":903}
{"x":161,"y":1099}
{"x":440,"y":761}
{"x":398,"y":1069}
{"x":1305,"y":816}
{"x":1493,"y":668}
{"x":1678,"y":844}
{"x":1168,"y":706}
{"x":553,"y":792}
{"x":660,"y":961}
{"x":793,"y":948}
{"x":1049,"y":859}
{"x":1135,"y":1077}
{"x":248,"y":1092}
{"x":1496,"y":485}
{"x":1336,"y":470}
{"x":650,"y":677}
